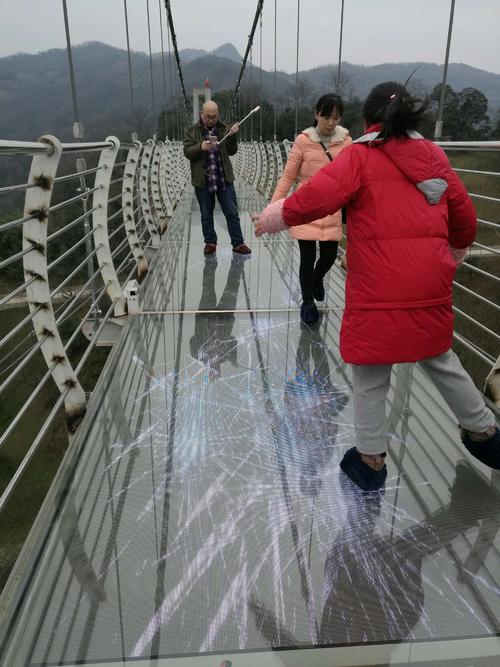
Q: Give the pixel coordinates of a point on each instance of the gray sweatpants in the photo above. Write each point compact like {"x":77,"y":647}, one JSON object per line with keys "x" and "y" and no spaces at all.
{"x":371,"y":385}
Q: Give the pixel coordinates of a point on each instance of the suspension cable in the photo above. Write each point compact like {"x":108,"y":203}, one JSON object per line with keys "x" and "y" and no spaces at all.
{"x":340,"y":47}
{"x":260,"y":78}
{"x":77,"y":125}
{"x":275,"y":88}
{"x":171,"y":89}
{"x":258,"y":11}
{"x":297,"y":73}
{"x":163,"y":66}
{"x":176,"y":53}
{"x":151,"y":64}
{"x":251,"y":93}
{"x":131,"y":87}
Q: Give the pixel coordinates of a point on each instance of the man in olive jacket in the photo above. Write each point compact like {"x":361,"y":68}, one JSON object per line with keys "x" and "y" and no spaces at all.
{"x":212,"y":174}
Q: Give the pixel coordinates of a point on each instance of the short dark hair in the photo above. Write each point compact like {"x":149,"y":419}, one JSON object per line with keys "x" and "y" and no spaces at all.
{"x":393,"y":106}
{"x":327,"y":103}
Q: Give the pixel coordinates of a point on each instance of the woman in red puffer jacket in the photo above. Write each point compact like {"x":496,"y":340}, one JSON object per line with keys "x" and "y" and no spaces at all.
{"x":410,"y":221}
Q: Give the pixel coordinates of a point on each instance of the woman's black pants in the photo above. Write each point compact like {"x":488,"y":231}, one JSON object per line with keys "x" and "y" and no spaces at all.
{"x":311,"y":274}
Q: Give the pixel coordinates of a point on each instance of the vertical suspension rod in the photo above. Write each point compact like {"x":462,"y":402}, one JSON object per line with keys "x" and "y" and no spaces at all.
{"x":170,"y":78}
{"x":438,"y":131}
{"x":340,"y":47}
{"x":275,"y":86}
{"x":260,"y":78}
{"x":297,"y":72}
{"x":151,"y":64}
{"x":70,"y":63}
{"x":131,"y":87}
{"x":163,"y":66}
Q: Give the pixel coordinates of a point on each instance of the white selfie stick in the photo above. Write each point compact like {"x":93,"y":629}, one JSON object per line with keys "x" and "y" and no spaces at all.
{"x":257,"y":108}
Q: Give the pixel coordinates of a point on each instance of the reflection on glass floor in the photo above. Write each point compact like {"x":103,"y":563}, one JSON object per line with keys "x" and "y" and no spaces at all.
{"x":203,"y":518}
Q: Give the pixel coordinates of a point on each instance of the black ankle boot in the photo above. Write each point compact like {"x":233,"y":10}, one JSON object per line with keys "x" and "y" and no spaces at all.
{"x":309,"y":313}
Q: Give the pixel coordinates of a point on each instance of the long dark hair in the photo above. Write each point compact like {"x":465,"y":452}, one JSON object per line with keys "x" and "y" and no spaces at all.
{"x":393,"y":106}
{"x":326,"y":104}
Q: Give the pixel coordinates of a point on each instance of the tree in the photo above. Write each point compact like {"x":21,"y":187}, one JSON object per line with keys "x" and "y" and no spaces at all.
{"x":465,"y":114}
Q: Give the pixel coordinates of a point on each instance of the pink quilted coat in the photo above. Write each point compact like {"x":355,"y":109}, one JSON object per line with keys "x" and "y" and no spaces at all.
{"x":304,"y":160}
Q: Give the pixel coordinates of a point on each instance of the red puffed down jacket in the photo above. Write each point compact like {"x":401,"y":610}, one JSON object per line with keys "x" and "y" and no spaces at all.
{"x":405,"y":208}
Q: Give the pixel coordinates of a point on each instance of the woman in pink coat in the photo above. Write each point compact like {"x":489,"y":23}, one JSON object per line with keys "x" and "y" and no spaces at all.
{"x":313,"y":149}
{"x":410,"y":221}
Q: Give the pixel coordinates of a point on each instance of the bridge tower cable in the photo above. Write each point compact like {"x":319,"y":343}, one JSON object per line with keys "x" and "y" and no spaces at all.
{"x":131,"y":86}
{"x":340,"y":47}
{"x":297,"y":73}
{"x":258,"y":11}
{"x":176,"y":53}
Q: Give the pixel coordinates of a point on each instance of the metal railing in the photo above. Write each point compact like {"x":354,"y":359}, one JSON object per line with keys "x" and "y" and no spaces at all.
{"x":477,"y":284}
{"x":82,"y":235}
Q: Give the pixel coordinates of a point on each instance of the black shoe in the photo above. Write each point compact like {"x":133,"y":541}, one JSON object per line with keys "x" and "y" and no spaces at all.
{"x":309,"y":314}
{"x":487,"y":451}
{"x":360,"y":473}
{"x":319,"y":291}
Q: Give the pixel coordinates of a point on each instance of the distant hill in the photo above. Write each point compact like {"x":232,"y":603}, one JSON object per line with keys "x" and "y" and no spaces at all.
{"x":460,"y":76}
{"x":228,"y":51}
{"x":35,"y":94}
{"x":187,"y":55}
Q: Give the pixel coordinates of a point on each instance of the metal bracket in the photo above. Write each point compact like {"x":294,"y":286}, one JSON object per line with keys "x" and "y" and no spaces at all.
{"x":36,"y":208}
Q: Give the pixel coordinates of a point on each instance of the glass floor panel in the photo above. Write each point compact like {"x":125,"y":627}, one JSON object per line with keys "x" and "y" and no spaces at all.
{"x":200,"y":517}
{"x":183,"y":279}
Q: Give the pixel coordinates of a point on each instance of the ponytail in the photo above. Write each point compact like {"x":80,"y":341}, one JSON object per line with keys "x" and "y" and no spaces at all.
{"x":391,"y":105}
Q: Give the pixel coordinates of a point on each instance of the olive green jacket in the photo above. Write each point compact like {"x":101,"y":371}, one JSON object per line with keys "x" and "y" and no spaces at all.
{"x":199,"y":159}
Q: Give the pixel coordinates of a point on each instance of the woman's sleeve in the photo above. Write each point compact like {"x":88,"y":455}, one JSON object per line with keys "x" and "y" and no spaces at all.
{"x":290,"y":173}
{"x":328,"y":190}
{"x":462,"y":217}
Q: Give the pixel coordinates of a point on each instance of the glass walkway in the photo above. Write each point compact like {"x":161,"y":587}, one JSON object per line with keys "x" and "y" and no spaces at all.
{"x":201,"y":517}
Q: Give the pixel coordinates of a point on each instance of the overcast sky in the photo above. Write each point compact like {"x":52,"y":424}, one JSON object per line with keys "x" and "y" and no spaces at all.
{"x":375,"y":31}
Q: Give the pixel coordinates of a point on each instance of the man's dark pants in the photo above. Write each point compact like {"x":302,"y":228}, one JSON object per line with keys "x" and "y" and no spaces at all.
{"x":229,"y":206}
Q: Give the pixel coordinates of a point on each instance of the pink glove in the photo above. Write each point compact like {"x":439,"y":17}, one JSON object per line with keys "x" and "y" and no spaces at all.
{"x":458,"y":254}
{"x":270,"y":221}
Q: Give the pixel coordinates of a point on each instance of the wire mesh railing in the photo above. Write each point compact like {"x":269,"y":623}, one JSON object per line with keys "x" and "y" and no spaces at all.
{"x":73,"y":235}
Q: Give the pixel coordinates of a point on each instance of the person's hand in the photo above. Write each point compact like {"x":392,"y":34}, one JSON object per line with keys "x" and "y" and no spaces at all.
{"x":270,"y":220}
{"x":257,"y":226}
{"x":234,"y":128}
{"x":208,"y":146}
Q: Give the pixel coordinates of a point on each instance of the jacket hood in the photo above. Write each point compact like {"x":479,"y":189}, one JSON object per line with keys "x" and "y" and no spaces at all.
{"x":337,"y":137}
{"x":422,"y":162}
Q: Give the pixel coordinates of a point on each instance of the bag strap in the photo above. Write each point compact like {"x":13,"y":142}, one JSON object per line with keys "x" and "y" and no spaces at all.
{"x":327,"y":153}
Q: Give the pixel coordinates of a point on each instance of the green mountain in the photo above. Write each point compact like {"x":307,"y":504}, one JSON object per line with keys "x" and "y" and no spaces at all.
{"x":35,"y":95}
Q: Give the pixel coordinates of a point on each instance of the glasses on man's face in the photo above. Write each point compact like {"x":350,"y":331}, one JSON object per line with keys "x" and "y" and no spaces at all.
{"x":210,"y":116}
